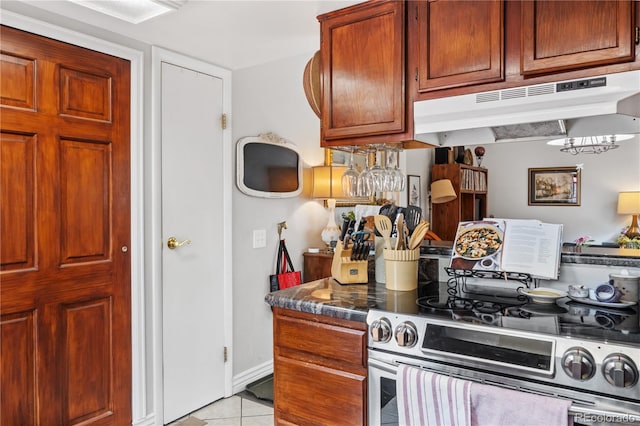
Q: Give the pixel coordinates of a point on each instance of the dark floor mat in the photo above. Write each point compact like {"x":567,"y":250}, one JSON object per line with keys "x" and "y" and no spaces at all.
{"x":262,"y":388}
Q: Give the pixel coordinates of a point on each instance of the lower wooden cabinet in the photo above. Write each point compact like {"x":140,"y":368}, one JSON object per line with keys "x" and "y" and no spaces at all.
{"x":320,"y":369}
{"x":316,"y":266}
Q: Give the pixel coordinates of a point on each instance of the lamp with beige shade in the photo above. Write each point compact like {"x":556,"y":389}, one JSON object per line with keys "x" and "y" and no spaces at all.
{"x":327,"y":185}
{"x":629,"y":203}
{"x":442,"y":191}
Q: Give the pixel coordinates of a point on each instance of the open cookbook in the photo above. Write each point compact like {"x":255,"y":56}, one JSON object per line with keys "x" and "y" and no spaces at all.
{"x":508,"y":245}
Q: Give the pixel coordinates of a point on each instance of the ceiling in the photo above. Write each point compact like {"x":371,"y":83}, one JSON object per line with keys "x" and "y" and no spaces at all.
{"x":231,"y":34}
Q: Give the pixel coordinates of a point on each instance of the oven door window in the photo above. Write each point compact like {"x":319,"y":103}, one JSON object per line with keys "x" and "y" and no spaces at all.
{"x":382,"y":401}
{"x":388,"y":402}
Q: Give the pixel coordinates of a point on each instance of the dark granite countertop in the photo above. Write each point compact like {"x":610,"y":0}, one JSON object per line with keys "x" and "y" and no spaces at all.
{"x":350,"y":301}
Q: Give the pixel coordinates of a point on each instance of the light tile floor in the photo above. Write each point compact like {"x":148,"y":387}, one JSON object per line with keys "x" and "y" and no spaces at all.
{"x":239,"y":410}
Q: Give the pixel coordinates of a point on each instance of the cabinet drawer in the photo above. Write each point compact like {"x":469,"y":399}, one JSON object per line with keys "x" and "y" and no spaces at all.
{"x":333,"y":342}
{"x":313,"y":394}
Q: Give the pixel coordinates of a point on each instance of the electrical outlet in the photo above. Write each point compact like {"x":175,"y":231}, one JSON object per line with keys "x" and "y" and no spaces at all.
{"x":259,"y":238}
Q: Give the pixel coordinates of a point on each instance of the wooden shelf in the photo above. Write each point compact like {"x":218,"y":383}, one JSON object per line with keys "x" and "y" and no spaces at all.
{"x":470,"y":184}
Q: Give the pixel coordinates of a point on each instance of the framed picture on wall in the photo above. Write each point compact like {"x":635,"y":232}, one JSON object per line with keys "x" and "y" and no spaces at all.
{"x":554,"y":186}
{"x":414,"y":194}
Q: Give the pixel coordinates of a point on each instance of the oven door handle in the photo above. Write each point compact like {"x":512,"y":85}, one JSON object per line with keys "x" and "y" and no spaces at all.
{"x":390,"y":368}
{"x":593,"y":412}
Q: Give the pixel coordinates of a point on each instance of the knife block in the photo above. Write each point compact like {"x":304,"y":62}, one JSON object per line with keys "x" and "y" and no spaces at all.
{"x":347,"y":271}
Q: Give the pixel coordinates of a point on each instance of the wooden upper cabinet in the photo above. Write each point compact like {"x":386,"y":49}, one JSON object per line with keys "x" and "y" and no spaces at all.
{"x":459,"y":43}
{"x":363,"y":70}
{"x":567,"y":35}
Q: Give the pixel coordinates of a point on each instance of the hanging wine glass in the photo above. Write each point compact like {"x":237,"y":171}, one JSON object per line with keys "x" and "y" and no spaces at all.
{"x":350,"y":179}
{"x":366,"y":184}
{"x":377,"y":172}
{"x":387,"y":176}
{"x":398,"y":177}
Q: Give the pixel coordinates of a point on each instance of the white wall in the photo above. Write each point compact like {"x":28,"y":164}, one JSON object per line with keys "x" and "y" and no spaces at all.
{"x":270,"y":98}
{"x":418,"y":162}
{"x":603,"y":176}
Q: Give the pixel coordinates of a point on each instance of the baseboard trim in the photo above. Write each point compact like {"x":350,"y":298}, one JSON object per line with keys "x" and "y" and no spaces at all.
{"x":240,"y":381}
{"x":148,"y":420}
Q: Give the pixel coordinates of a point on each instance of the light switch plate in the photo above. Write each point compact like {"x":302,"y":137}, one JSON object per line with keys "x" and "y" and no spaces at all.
{"x":259,"y":238}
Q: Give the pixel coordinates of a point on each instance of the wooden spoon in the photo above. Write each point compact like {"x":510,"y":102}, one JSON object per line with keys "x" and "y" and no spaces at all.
{"x":384,"y":225}
{"x":418,"y":235}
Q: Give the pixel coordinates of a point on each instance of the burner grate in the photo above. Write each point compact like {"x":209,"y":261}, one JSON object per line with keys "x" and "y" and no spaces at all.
{"x":485,"y":305}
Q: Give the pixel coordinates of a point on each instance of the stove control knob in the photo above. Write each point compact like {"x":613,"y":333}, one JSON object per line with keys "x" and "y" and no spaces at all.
{"x":406,"y":335}
{"x":578,"y":364}
{"x":381,"y":330}
{"x":620,"y":371}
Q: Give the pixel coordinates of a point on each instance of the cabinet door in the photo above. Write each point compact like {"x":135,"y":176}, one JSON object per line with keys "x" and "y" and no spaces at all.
{"x":460,"y":43}
{"x":320,"y":370}
{"x":362,"y":52}
{"x":316,"y":395}
{"x":566,"y":35}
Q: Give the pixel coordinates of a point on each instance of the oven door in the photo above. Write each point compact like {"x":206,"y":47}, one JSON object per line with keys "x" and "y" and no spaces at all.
{"x":383,"y":409}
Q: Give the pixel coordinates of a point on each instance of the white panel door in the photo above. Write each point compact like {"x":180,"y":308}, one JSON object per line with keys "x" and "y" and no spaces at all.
{"x":192,"y":294}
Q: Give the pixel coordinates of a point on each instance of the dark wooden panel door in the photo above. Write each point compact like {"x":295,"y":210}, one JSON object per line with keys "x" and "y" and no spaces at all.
{"x":460,"y":43}
{"x":65,"y":224}
{"x":566,"y":35}
{"x":362,"y":54}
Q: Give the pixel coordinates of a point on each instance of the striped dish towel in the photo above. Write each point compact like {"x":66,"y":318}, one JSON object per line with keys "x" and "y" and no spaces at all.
{"x":426,"y":398}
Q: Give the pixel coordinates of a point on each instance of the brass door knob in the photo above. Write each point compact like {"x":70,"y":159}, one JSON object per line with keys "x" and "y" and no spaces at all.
{"x":173,"y":243}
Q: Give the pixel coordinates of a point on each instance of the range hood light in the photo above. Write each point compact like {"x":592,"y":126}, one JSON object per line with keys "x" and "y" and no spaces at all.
{"x":589,"y":144}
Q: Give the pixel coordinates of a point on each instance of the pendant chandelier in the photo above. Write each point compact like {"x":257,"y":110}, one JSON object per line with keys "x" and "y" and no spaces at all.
{"x":589,"y":144}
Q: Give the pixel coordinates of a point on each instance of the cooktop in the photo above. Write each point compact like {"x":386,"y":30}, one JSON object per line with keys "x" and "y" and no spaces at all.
{"x":563,"y":317}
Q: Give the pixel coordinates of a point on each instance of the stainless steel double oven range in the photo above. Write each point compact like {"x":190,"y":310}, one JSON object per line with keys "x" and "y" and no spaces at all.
{"x":587,"y":354}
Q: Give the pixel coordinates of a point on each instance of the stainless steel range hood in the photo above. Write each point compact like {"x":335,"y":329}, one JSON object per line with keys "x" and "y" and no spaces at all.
{"x":603,"y":105}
